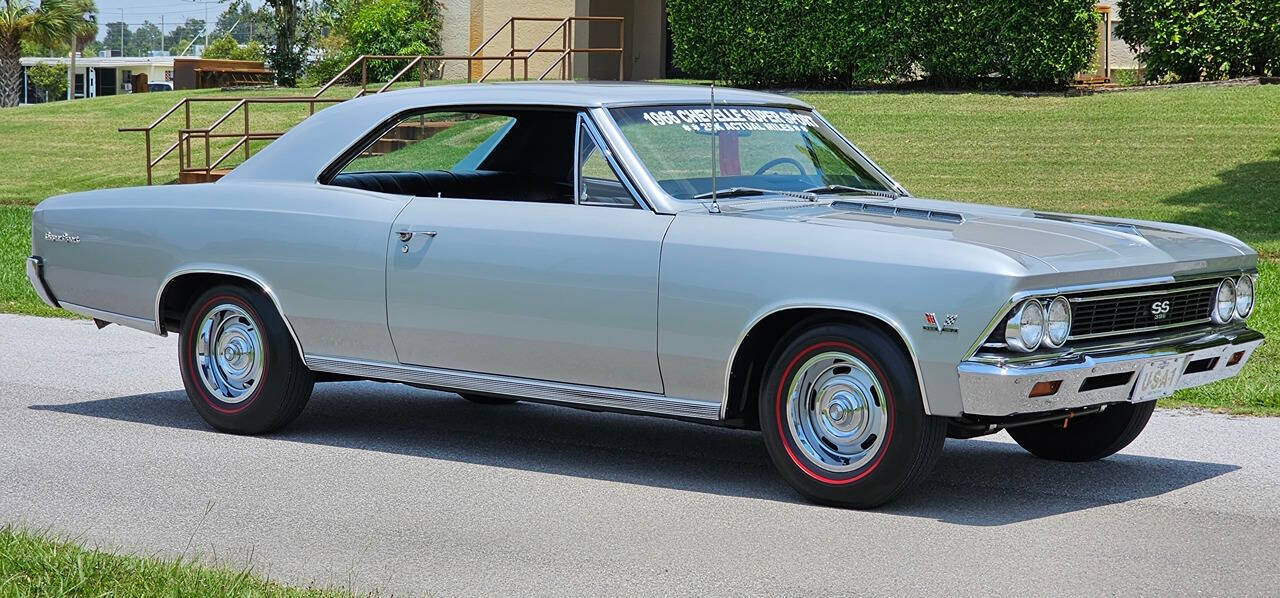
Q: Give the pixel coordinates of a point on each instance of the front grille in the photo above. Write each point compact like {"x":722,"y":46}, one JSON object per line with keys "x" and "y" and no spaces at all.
{"x":1113,"y":313}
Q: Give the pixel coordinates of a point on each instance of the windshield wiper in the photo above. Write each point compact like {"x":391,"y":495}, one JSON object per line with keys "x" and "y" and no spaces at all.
{"x":733,"y":192}
{"x":825,"y":189}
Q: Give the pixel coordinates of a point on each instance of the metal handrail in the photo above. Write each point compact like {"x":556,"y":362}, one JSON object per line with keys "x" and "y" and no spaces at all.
{"x":514,"y":54}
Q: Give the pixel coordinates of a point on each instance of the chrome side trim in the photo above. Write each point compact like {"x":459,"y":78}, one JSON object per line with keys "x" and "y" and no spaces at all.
{"x":158,"y":326}
{"x":1081,"y":288}
{"x":35,"y":275}
{"x":109,"y":316}
{"x":584,"y":120}
{"x":906,"y":341}
{"x":537,"y":390}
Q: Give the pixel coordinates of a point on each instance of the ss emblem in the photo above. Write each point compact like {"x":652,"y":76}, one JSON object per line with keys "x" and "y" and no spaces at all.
{"x":1159,"y":309}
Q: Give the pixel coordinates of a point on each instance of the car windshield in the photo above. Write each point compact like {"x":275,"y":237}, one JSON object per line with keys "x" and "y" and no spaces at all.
{"x":758,"y":150}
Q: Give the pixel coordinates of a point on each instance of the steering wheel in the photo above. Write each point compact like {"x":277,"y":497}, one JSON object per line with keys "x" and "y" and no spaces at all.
{"x":777,"y":161}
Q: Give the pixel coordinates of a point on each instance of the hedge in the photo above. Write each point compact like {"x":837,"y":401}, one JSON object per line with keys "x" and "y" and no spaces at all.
{"x":838,"y":43}
{"x":786,"y":42}
{"x":1194,"y":40}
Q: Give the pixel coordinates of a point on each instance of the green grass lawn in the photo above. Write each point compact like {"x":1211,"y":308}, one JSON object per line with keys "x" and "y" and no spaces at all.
{"x":1205,"y":156}
{"x":32,"y":565}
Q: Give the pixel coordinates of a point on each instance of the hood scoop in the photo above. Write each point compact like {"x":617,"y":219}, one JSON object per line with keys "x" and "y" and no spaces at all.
{"x":884,"y":209}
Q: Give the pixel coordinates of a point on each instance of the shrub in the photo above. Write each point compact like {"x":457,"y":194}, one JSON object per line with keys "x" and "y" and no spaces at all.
{"x":223,"y":48}
{"x":393,"y":27}
{"x":1194,"y":40}
{"x":786,"y":42}
{"x":52,"y":78}
{"x":250,"y":51}
{"x":836,"y":43}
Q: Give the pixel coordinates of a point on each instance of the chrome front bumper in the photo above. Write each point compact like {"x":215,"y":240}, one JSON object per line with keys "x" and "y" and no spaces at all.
{"x":35,"y":274}
{"x":1000,"y":389}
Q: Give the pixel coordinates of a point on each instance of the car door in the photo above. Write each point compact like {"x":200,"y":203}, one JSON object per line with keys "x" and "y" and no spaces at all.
{"x":565,"y":292}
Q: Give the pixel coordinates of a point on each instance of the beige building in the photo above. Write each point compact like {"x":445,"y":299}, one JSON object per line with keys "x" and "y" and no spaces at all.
{"x":644,"y":37}
{"x":1121,"y":56}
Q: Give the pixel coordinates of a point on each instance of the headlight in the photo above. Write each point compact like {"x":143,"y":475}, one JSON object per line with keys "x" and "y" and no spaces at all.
{"x":1224,"y":302}
{"x":1059,"y":319}
{"x":1025,"y":329}
{"x":1244,"y":296}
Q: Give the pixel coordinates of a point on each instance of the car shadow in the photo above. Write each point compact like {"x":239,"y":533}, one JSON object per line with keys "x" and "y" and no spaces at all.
{"x":977,"y":482}
{"x":1242,"y":202}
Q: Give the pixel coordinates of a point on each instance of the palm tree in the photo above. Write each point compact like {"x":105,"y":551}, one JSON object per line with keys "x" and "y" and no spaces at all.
{"x":84,"y":27}
{"x":46,"y":24}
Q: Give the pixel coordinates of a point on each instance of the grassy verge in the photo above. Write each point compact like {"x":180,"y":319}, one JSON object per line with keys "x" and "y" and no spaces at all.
{"x":1202,"y":156}
{"x":31,"y":565}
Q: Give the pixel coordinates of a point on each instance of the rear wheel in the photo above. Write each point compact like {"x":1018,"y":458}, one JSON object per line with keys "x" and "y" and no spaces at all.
{"x":239,"y":364}
{"x":842,"y":416}
{"x":1087,"y":438}
{"x":487,"y":400}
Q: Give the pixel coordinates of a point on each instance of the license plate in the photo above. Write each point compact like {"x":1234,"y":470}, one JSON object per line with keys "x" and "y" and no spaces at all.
{"x":1158,"y":379}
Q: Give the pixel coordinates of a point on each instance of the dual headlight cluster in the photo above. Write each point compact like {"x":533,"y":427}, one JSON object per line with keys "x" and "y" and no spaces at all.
{"x":1234,"y":299}
{"x":1034,"y":324}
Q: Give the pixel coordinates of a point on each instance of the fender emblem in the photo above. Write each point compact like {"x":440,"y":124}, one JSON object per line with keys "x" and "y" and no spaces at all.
{"x":62,"y":238}
{"x":947,"y":324}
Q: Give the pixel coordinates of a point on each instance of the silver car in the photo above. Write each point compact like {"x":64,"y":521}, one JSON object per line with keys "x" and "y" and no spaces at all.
{"x":718,"y":256}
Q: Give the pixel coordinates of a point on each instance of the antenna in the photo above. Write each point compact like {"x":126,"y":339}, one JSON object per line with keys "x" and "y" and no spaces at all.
{"x":715,"y":151}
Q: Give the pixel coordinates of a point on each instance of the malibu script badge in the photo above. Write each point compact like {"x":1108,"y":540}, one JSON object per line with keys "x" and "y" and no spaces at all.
{"x":62,"y":238}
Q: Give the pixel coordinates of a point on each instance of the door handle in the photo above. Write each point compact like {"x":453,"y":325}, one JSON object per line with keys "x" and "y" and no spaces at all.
{"x":407,"y":235}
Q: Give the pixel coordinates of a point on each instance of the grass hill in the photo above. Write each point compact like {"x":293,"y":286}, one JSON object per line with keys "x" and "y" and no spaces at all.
{"x":1205,"y":156}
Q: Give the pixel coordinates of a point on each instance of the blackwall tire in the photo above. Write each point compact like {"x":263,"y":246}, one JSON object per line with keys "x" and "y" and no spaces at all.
{"x":842,"y":416}
{"x":1087,"y":438}
{"x":240,"y":366}
{"x":487,"y":400}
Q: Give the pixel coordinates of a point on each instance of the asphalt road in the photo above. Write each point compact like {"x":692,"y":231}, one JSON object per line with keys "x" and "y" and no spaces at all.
{"x":388,"y":488}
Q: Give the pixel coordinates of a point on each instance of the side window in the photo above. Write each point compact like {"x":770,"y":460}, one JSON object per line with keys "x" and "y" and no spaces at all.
{"x":437,"y":141}
{"x":517,"y":154}
{"x":597,"y":182}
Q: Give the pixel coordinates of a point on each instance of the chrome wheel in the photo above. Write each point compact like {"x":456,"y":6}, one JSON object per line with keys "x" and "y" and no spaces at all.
{"x":229,"y":353}
{"x":836,"y":411}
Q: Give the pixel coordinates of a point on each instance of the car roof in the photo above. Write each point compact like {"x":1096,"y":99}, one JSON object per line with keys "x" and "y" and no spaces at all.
{"x":587,"y":94}
{"x":309,"y":147}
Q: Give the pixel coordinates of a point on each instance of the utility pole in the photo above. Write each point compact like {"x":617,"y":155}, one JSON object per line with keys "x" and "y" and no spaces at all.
{"x":206,"y":27}
{"x":162,"y":32}
{"x":122,"y":32}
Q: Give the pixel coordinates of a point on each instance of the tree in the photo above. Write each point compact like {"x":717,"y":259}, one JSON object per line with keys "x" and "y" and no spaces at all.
{"x":223,"y":47}
{"x":82,"y":29}
{"x":286,"y":55}
{"x":178,"y":39}
{"x":52,"y":78}
{"x":146,"y":37}
{"x":243,"y":23}
{"x":116,"y":30}
{"x":393,"y":28}
{"x":47,"y":24}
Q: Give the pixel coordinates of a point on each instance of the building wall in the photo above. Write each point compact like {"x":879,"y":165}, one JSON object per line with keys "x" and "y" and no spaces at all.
{"x":455,"y":35}
{"x":467,"y":23}
{"x":1121,"y":56}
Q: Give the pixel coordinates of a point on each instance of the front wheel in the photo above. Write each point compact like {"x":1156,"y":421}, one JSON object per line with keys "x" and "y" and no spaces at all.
{"x":1086,"y":438}
{"x":842,"y":416}
{"x":239,"y":365}
{"x":487,"y":400}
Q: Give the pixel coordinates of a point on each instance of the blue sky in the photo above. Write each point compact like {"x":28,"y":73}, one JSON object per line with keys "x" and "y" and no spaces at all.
{"x":175,"y":12}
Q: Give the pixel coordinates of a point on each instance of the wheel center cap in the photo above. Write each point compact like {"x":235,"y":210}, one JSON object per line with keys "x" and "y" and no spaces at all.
{"x":836,"y":412}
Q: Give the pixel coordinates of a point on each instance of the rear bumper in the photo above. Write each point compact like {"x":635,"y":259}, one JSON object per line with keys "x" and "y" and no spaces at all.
{"x":994,"y":389}
{"x":35,"y":274}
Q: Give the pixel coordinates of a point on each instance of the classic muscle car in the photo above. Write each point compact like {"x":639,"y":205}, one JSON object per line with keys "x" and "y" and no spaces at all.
{"x":718,"y":256}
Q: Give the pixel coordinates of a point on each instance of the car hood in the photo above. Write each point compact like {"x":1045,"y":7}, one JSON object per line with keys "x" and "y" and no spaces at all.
{"x":1062,"y":242}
